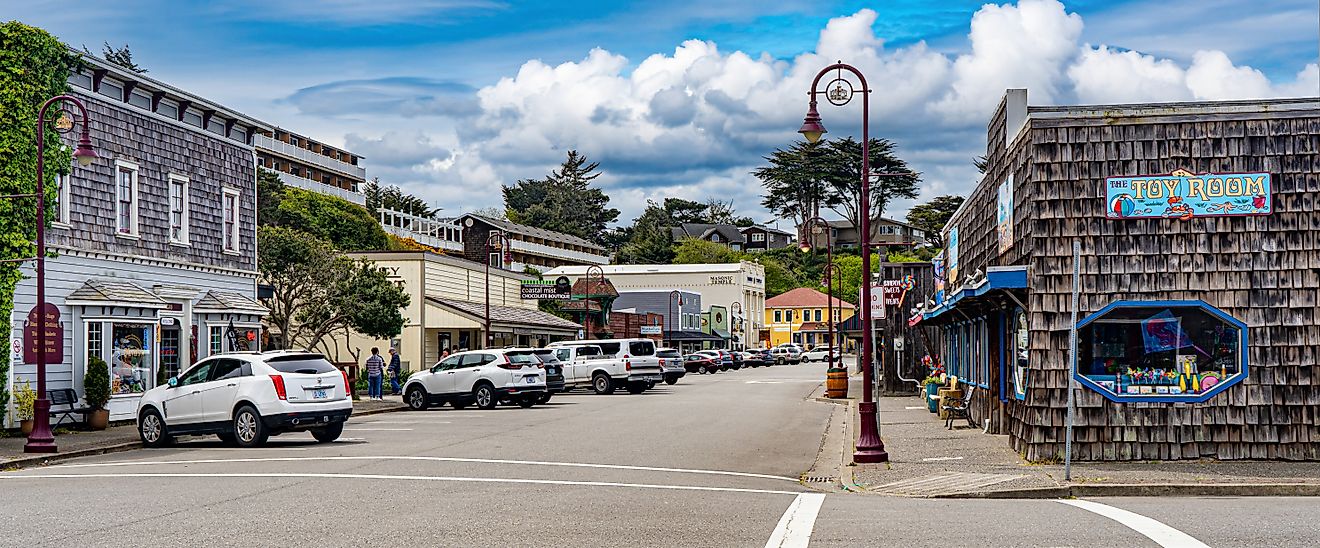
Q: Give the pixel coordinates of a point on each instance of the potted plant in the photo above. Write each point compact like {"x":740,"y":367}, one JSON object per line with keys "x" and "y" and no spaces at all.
{"x":25,"y":398}
{"x":96,"y":390}
{"x":932,"y":383}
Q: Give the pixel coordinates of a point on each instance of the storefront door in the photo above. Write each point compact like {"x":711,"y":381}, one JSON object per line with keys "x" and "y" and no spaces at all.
{"x":171,"y":351}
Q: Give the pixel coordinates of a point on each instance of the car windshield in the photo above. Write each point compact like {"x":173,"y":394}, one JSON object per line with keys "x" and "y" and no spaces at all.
{"x":547,"y":357}
{"x":668,"y":354}
{"x":309,"y":364}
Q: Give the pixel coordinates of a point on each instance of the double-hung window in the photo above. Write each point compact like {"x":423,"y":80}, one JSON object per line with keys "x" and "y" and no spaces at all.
{"x":230,"y":224}
{"x":178,"y":210}
{"x":62,"y":209}
{"x":126,"y":198}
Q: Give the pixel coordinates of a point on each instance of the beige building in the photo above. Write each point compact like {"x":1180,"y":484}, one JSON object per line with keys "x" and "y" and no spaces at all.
{"x":447,"y":309}
{"x":720,"y":285}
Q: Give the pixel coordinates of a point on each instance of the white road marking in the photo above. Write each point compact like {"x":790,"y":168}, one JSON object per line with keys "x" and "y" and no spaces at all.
{"x":1155,"y":530}
{"x":379,"y":429}
{"x":916,"y":407}
{"x":437,"y":459}
{"x":409,"y":478}
{"x":932,"y":459}
{"x":794,"y":528}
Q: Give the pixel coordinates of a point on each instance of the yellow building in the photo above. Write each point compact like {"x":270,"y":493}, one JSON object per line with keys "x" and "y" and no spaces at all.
{"x":802,"y":316}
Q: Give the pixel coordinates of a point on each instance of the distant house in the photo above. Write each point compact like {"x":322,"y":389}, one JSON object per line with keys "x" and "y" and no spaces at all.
{"x":762,"y":238}
{"x":884,"y":231}
{"x":752,"y":238}
{"x":525,"y":246}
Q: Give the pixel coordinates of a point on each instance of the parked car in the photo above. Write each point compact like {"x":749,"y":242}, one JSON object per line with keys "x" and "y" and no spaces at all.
{"x":587,"y":365}
{"x":700,"y":363}
{"x":736,"y":357}
{"x":757,"y":358}
{"x":671,"y":362}
{"x":821,"y":353}
{"x":244,"y":398}
{"x":786,"y":354}
{"x":484,"y":377}
{"x":554,"y":372}
{"x":724,"y":362}
{"x":637,"y":356}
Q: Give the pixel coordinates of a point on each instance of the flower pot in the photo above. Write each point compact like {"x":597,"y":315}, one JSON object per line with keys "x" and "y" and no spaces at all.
{"x":931,"y":403}
{"x":27,"y":426}
{"x":98,"y":419}
{"x":836,"y":384}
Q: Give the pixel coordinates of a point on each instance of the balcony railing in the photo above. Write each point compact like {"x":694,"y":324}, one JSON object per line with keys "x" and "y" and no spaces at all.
{"x":444,"y":234}
{"x":558,"y":253}
{"x":304,"y":155}
{"x":331,"y":190}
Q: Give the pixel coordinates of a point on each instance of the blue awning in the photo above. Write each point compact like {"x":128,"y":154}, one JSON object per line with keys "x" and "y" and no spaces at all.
{"x":996,"y":278}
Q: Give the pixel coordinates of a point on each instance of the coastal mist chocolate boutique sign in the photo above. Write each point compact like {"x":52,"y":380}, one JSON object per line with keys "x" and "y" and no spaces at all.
{"x":54,"y":334}
{"x":1185,"y":195}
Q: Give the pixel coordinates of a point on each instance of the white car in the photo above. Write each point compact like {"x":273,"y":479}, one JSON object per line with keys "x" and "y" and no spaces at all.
{"x":245,"y":397}
{"x":820,"y":354}
{"x":482,"y":377}
{"x":671,"y":363}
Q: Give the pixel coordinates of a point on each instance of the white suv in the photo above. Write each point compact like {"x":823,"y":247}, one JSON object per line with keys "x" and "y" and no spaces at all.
{"x":671,"y":364}
{"x":246,"y":397}
{"x":483,"y":377}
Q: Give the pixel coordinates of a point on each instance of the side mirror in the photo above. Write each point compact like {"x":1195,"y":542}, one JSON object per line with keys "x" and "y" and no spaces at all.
{"x":173,"y":382}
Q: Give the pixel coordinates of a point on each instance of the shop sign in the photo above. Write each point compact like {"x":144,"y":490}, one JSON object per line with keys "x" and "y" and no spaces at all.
{"x":650,"y":330}
{"x":1005,"y":225}
{"x":937,"y":264}
{"x":54,"y":334}
{"x":893,"y":290}
{"x":558,"y":289}
{"x":951,"y":256}
{"x":1185,"y":195}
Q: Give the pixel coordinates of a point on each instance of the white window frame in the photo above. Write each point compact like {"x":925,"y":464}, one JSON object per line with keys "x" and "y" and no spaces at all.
{"x":758,"y":237}
{"x":224,"y":212}
{"x":183,"y":238}
{"x":133,"y":204}
{"x":62,"y":199}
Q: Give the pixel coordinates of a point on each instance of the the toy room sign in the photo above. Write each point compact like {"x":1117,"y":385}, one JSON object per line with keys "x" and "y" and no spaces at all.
{"x":1184,"y":195}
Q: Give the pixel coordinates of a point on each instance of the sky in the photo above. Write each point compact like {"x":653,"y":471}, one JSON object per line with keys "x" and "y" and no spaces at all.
{"x":450,"y":99}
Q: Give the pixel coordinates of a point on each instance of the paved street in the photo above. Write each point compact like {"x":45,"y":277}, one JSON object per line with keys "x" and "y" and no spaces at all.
{"x":713,"y":461}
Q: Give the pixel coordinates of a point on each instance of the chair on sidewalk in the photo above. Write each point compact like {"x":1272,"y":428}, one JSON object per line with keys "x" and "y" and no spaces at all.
{"x":958,"y":408}
{"x":66,"y":397}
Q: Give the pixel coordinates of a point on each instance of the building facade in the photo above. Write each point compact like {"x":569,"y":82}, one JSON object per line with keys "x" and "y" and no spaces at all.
{"x":884,"y":232}
{"x":1197,"y":285}
{"x":762,"y":238}
{"x":802,"y":316}
{"x":309,"y":164}
{"x":680,"y":314}
{"x":740,"y":287}
{"x":525,"y":246}
{"x":155,"y":242}
{"x":447,"y":309}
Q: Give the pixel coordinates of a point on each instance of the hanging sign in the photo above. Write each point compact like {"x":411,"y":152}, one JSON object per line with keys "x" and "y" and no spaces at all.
{"x":1185,"y":195}
{"x":1005,"y":215}
{"x":54,"y":335}
{"x":558,"y":289}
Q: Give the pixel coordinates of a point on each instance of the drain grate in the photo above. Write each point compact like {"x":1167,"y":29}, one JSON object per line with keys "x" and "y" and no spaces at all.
{"x":819,"y":479}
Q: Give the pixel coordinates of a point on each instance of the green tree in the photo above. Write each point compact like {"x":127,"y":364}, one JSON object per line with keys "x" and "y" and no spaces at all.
{"x":651,"y":241}
{"x":843,"y":178}
{"x":270,"y":190}
{"x":394,"y":198}
{"x":696,"y":251}
{"x":793,"y":181}
{"x":318,"y":292}
{"x":848,"y":282}
{"x":347,"y":226}
{"x":563,"y":201}
{"x":122,"y":56}
{"x":34,"y":66}
{"x":682,"y":211}
{"x":719,"y":212}
{"x":931,"y":217}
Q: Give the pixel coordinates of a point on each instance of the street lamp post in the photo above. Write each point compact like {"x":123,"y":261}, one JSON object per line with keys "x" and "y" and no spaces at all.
{"x":870,"y":448}
{"x":586,"y":305}
{"x":675,"y":305}
{"x":814,"y":226}
{"x":493,"y":238}
{"x":832,"y":271}
{"x":42,"y":440}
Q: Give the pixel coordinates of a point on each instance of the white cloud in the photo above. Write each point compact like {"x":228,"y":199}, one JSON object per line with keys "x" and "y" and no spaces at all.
{"x":1105,"y":75}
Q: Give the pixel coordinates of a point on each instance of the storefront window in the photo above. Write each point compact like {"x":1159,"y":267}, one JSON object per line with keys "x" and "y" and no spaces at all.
{"x":1018,"y":337}
{"x":93,"y":340}
{"x":1161,"y":351}
{"x":169,"y":352}
{"x":131,"y":364}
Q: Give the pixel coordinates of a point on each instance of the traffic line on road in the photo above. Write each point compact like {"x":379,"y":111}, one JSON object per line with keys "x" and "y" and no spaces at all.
{"x":348,"y":428}
{"x":286,"y":475}
{"x":794,"y":528}
{"x":1155,"y":530}
{"x":436,"y":459}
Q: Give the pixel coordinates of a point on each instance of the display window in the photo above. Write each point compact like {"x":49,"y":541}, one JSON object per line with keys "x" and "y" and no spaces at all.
{"x":1161,"y":351}
{"x":131,"y":364}
{"x":1018,"y":353}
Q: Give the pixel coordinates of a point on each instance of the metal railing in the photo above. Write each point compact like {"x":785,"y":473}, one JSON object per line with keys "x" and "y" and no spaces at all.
{"x":557,"y":253}
{"x":331,"y":190}
{"x":439,"y":233}
{"x":302,"y":154}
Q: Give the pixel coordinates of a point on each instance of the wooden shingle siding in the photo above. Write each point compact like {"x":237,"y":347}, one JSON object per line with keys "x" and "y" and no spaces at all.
{"x":1261,"y":270}
{"x":210,"y":162}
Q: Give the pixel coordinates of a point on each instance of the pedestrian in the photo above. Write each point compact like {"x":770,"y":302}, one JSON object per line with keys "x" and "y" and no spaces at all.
{"x":444,"y":354}
{"x":396,"y":369}
{"x":375,"y":374}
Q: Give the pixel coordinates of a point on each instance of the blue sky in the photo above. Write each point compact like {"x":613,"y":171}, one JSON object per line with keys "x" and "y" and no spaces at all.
{"x":450,"y":98}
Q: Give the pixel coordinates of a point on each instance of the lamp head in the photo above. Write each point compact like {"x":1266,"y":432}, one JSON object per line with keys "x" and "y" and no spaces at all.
{"x":85,"y":154}
{"x":805,"y":246}
{"x":812,"y":129}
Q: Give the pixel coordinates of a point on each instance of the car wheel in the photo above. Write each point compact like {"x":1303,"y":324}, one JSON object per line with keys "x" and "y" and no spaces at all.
{"x":671,"y":380}
{"x":724,"y":367}
{"x":485,"y":396}
{"x":249,"y":431}
{"x":227,"y":439}
{"x":417,"y":398}
{"x":636,"y":387}
{"x":650,"y":385}
{"x":527,"y":401}
{"x":602,"y":384}
{"x":329,"y":433}
{"x":152,"y":430}
{"x":545,"y":398}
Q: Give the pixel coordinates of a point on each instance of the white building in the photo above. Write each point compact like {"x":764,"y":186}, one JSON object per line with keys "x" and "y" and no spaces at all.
{"x":720,"y":285}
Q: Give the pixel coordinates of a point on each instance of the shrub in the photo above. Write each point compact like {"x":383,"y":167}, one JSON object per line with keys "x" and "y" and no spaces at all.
{"x":26,"y":399}
{"x":96,"y":383}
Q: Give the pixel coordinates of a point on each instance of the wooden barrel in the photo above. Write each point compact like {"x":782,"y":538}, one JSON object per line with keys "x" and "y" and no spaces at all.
{"x":836,"y":384}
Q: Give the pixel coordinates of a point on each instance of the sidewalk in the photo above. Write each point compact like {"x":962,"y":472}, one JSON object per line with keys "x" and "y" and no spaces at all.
{"x":926,"y":460}
{"x":80,"y":443}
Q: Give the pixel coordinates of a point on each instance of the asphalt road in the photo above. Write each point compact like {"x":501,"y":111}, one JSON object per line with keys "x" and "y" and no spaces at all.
{"x":713,"y":461}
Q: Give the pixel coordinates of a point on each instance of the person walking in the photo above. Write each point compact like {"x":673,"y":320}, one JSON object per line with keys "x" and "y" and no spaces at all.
{"x":396,"y":369}
{"x":375,"y":374}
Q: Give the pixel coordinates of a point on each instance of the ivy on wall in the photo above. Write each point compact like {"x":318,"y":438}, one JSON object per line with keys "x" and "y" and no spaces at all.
{"x":34,"y":66}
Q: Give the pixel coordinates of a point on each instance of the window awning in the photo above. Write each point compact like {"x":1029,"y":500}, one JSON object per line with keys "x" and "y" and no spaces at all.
{"x":996,"y":278}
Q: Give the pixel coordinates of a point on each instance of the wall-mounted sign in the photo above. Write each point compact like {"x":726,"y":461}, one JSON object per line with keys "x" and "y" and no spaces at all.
{"x":951,"y":257}
{"x":879,"y":297}
{"x":557,"y":289}
{"x":650,"y":330}
{"x":1184,"y":195}
{"x":937,"y":264}
{"x":168,"y":321}
{"x":1005,"y":225}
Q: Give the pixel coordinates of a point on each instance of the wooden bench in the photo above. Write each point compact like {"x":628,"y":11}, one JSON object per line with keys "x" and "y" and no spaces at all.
{"x":958,"y":408}
{"x":69,"y":398}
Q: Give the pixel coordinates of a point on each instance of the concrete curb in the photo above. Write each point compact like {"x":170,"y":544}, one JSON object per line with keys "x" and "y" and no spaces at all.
{"x":1150,"y":490}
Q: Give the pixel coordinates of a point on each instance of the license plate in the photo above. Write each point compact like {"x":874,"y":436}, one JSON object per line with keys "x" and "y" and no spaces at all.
{"x":320,"y":395}
{"x":530,"y":380}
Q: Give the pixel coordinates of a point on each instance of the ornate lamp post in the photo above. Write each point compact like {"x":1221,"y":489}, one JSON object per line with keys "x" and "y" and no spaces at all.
{"x":42,"y":440}
{"x":675,"y":305}
{"x":814,"y":226}
{"x":586,"y":306}
{"x":869,"y":448}
{"x":493,"y":239}
{"x":831,"y":272}
{"x":735,"y":311}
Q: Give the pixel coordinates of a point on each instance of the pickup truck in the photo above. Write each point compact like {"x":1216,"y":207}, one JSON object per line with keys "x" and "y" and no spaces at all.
{"x":631,"y":363}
